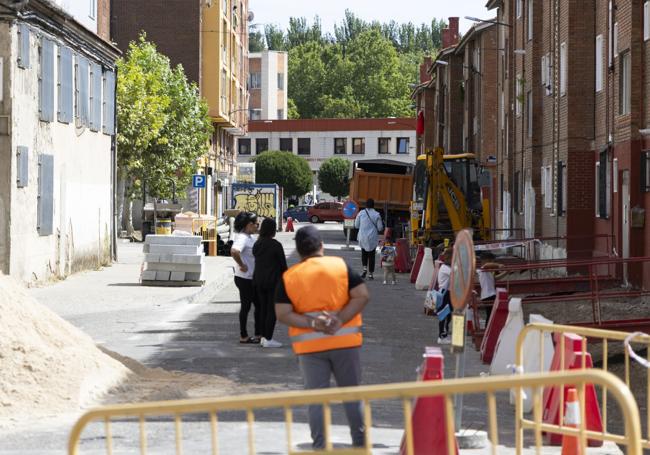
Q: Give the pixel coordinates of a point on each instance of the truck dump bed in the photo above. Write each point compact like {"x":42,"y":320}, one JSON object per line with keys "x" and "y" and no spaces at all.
{"x":396,"y":190}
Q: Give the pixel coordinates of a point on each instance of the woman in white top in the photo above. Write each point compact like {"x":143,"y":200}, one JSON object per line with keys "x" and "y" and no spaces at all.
{"x":487,"y":279}
{"x":369,"y":224}
{"x":242,"y":252}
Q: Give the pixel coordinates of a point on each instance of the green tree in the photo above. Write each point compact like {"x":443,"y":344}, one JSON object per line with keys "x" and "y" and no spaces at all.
{"x":292,"y":110}
{"x":163,"y":125}
{"x":285,"y":169}
{"x":334,"y":176}
{"x":256,"y":41}
{"x":275,"y":39}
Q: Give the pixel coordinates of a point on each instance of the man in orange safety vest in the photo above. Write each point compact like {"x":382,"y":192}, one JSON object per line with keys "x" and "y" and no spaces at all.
{"x":321,"y":300}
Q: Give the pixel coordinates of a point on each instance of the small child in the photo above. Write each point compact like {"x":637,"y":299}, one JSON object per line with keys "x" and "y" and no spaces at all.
{"x":388,"y":254}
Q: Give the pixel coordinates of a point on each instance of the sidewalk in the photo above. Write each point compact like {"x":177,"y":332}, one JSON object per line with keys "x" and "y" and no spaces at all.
{"x":111,"y":305}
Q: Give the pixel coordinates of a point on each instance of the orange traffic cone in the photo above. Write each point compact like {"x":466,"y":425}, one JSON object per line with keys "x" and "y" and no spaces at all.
{"x":570,"y":443}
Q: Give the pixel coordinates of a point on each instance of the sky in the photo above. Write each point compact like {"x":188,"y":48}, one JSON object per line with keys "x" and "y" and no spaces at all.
{"x":332,"y":11}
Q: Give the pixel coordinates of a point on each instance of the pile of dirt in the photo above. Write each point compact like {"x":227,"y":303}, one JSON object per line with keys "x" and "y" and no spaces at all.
{"x":47,"y":366}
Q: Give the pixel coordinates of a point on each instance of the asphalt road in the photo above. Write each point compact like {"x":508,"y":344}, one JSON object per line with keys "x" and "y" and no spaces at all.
{"x":200,"y":334}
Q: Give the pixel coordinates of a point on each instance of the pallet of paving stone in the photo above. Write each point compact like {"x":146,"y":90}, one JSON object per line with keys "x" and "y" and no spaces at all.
{"x":173,"y":261}
{"x":172,"y":284}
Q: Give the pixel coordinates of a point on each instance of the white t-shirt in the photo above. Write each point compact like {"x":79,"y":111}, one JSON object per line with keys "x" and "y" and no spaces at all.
{"x":444,"y":275}
{"x":244,"y":244}
{"x":486,"y":279}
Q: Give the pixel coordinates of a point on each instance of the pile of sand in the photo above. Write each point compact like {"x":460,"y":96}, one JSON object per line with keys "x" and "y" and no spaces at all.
{"x":47,"y":366}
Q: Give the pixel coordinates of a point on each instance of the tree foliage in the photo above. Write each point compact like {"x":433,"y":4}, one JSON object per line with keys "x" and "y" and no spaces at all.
{"x":362,"y":70}
{"x":163,"y":123}
{"x":285,"y":169}
{"x":334,"y":175}
{"x":256,"y":41}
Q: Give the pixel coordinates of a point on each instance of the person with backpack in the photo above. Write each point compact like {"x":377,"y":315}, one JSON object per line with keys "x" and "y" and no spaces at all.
{"x":369,"y":224}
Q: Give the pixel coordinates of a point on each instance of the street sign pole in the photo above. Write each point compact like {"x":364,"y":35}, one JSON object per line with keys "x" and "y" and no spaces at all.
{"x":350,"y":210}
{"x":463,"y":267}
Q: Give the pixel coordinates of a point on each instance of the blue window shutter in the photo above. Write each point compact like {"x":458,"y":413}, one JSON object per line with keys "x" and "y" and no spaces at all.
{"x":22,"y":166}
{"x":45,"y":204}
{"x":23,"y":46}
{"x":65,"y":85}
{"x":96,"y":97}
{"x":83,"y":96}
{"x":109,"y":103}
{"x":46,"y":105}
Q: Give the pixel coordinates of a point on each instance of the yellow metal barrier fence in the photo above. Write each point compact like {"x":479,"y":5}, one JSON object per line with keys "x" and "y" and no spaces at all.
{"x":605,"y":337}
{"x":405,"y":392}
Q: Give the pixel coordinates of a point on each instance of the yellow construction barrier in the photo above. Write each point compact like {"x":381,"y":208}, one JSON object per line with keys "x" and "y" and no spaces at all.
{"x":604,"y":338}
{"x":404,"y":392}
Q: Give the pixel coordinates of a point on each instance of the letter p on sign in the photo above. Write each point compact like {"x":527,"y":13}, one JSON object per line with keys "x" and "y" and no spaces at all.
{"x":198,"y":181}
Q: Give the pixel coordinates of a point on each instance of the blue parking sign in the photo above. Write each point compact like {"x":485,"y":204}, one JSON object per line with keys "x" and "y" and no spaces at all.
{"x":198,"y":181}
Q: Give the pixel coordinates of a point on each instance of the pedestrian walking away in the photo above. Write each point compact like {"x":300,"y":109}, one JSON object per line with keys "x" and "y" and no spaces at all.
{"x":444,"y":276}
{"x":270,"y":264}
{"x":242,"y":252}
{"x":369,"y":224}
{"x":321,"y":300}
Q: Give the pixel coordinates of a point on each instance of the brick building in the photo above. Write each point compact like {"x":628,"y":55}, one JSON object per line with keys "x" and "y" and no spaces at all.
{"x":267,"y":83}
{"x":210,"y":40}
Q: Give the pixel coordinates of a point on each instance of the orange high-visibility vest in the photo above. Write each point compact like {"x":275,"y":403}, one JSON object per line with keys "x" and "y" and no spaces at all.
{"x":320,"y":284}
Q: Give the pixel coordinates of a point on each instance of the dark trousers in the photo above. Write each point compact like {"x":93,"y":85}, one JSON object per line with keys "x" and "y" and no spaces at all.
{"x":443,"y":325}
{"x":265,"y":297}
{"x":345,"y":366}
{"x":368,"y":260}
{"x":247,"y":298}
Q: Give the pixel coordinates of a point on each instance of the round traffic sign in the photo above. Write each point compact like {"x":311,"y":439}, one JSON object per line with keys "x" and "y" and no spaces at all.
{"x":463,"y":266}
{"x":350,"y":209}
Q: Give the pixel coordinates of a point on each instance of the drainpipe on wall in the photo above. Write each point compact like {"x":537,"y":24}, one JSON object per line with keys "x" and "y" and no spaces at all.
{"x":114,"y":175}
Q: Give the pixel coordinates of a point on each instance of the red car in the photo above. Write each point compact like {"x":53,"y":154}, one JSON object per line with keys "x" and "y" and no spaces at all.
{"x":326,"y":211}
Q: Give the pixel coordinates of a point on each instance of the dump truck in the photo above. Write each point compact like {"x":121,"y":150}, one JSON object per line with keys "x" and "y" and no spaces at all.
{"x":390,"y":184}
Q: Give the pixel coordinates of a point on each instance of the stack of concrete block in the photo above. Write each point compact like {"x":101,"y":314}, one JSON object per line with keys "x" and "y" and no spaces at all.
{"x":173,"y":259}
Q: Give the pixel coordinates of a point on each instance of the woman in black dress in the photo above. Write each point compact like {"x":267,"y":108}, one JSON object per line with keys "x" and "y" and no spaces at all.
{"x":270,"y":264}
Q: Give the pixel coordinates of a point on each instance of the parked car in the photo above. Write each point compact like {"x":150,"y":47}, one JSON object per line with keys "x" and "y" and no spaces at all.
{"x":298,"y":213}
{"x":326,"y":211}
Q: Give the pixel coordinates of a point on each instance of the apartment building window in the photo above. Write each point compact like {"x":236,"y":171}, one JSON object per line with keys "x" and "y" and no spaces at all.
{"x":530,"y":19}
{"x":615,"y":46}
{"x":603,"y":183}
{"x":304,"y":146}
{"x":402,"y":145}
{"x":281,"y":114}
{"x":358,"y":146}
{"x":624,"y":82}
{"x":518,"y":7}
{"x":646,"y":21}
{"x":225,"y":7}
{"x":518,"y":94}
{"x":255,"y":114}
{"x":280,"y":81}
{"x":45,"y":199}
{"x":563,"y":69}
{"x":286,"y":144}
{"x":384,"y":145}
{"x":92,"y":9}
{"x":224,"y":88}
{"x":516,"y":193}
{"x":261,"y":145}
{"x":501,"y":192}
{"x":46,"y":81}
{"x":224,"y":44}
{"x":529,"y":113}
{"x":561,"y":188}
{"x":255,"y":80}
{"x":549,"y":77}
{"x":610,"y":51}
{"x":599,"y":63}
{"x":244,"y":147}
{"x":547,"y":186}
{"x":544,"y":70}
{"x":645,"y":171}
{"x":340,"y":146}
{"x":24,"y":47}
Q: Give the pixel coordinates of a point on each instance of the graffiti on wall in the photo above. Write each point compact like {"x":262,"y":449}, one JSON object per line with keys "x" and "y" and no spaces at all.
{"x":257,"y":200}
